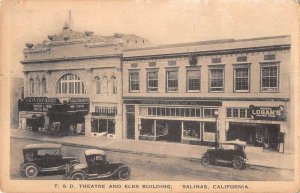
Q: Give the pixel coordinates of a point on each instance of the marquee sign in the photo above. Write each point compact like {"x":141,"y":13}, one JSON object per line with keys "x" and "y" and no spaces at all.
{"x":37,"y":104}
{"x":174,"y":102}
{"x":267,"y":113}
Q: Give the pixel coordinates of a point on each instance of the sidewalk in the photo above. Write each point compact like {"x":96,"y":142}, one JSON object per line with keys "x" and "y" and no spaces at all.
{"x":162,"y":149}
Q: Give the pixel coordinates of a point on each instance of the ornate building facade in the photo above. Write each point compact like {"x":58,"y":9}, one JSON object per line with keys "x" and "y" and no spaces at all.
{"x":122,"y":86}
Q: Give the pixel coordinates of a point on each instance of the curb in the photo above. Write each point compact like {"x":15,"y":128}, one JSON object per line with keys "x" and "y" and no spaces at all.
{"x":134,"y":152}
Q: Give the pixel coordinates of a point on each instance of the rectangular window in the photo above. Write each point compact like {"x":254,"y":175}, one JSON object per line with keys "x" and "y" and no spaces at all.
{"x":241,"y":79}
{"x":269,"y":78}
{"x":134,"y":81}
{"x":216,"y":82}
{"x":172,"y":81}
{"x":193,"y":80}
{"x":152,"y":81}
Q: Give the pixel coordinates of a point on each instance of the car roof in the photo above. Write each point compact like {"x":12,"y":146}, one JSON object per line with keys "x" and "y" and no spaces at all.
{"x":236,"y":142}
{"x":42,"y":146}
{"x":94,"y":152}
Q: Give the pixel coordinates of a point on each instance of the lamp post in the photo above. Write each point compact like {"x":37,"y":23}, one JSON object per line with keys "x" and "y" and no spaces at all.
{"x":216,"y":113}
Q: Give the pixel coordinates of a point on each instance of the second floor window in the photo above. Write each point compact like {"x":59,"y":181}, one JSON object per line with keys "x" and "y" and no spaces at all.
{"x":172,"y":81}
{"x":134,"y":81}
{"x":193,"y":80}
{"x":70,"y":84}
{"x":216,"y":82}
{"x":241,"y":79}
{"x":31,"y":86}
{"x":269,"y":78}
{"x":43,"y":86}
{"x":152,"y":81}
{"x":38,"y":84}
{"x":98,"y":85}
{"x":114,"y":85}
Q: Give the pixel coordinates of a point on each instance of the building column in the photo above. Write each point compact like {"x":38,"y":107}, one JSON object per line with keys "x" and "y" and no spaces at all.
{"x":118,"y":126}
{"x":137,"y":122}
{"x":124,"y":123}
{"x":25,"y":84}
{"x":221,"y":124}
{"x":88,"y":125}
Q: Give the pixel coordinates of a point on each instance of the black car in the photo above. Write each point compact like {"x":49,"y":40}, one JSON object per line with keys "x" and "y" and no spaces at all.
{"x":96,"y":167}
{"x":230,"y":151}
{"x":43,"y":158}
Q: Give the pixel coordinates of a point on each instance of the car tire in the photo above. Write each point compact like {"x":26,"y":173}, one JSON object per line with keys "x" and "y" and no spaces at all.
{"x":238,"y":163}
{"x":124,"y":174}
{"x":31,"y":171}
{"x":77,"y":176}
{"x":205,"y":160}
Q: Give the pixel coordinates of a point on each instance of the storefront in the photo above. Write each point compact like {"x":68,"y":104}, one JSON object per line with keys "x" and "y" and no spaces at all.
{"x":103,"y":121}
{"x":258,"y":126}
{"x":49,"y":114}
{"x":192,"y":122}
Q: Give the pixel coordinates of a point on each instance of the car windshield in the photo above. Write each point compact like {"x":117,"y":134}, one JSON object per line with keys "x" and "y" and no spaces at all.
{"x":227,"y":146}
{"x":48,"y":152}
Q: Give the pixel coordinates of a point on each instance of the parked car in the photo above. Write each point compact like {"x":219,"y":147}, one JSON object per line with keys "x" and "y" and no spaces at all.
{"x":96,"y":167}
{"x":43,"y":158}
{"x":230,"y":151}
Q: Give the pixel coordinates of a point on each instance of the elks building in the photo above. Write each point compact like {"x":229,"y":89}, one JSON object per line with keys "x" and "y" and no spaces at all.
{"x":122,"y":86}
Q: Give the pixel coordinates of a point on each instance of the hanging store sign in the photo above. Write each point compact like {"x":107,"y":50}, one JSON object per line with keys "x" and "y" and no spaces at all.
{"x":174,"y":102}
{"x":79,"y":100}
{"x":37,"y":104}
{"x":267,"y":113}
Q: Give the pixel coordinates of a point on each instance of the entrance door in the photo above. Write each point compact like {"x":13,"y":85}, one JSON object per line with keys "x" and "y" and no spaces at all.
{"x":174,"y":131}
{"x":130,"y":125}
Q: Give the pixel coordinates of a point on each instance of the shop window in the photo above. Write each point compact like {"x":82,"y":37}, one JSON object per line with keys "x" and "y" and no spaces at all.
{"x":238,"y":113}
{"x":103,"y":126}
{"x":161,"y":128}
{"x":269,"y":78}
{"x":172,"y":81}
{"x":134,"y":81}
{"x":216,"y":80}
{"x":229,"y":112}
{"x":209,"y":131}
{"x":193,"y":80}
{"x":243,"y":113}
{"x":31,"y":86}
{"x":241,"y":79}
{"x":209,"y":112}
{"x":152,"y":78}
{"x":235,"y":112}
{"x":98,"y":85}
{"x":191,"y":130}
{"x":147,"y":127}
{"x":114,"y":85}
{"x":43,"y":86}
{"x":70,"y":84}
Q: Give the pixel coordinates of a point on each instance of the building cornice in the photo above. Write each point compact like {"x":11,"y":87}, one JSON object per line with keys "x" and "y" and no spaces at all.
{"x":207,"y":53}
{"x":128,"y":98}
{"x":50,"y":60}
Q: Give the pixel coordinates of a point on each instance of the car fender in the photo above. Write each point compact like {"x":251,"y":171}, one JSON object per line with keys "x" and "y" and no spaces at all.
{"x":120,"y":168}
{"x":239,"y":157}
{"x":74,"y":171}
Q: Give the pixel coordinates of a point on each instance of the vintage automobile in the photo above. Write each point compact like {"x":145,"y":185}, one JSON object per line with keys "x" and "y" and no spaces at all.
{"x":230,"y":151}
{"x":96,"y":167}
{"x":44,"y":158}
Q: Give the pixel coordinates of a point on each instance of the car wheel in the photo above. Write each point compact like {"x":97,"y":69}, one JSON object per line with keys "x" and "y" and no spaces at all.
{"x":205,"y":160}
{"x":124,"y":174}
{"x":77,"y":176}
{"x":238,"y":163}
{"x":31,"y":171}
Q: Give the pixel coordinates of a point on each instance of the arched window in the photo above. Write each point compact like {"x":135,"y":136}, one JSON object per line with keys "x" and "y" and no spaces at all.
{"x":70,"y":84}
{"x":38,"y":84}
{"x":31,"y":86}
{"x":114,"y":85}
{"x":98,"y":85}
{"x":104,"y":89}
{"x":43,"y":86}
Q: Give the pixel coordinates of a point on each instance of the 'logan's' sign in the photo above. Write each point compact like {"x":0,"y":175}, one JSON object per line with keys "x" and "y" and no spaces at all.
{"x":267,"y":113}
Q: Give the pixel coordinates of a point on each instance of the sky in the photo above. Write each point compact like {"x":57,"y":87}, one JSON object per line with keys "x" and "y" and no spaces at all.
{"x":159,"y":21}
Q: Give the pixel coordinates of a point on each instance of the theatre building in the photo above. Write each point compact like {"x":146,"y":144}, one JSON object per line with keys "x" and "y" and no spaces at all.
{"x":203,"y":92}
{"x":73,"y":83}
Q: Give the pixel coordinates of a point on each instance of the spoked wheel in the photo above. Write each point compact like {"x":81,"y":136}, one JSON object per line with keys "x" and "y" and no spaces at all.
{"x":31,"y":171}
{"x":205,"y":160}
{"x":124,"y":174}
{"x":238,"y":163}
{"x":78,"y":176}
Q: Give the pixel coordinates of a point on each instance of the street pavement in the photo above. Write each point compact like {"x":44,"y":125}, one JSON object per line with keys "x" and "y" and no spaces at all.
{"x":148,"y":167}
{"x":256,"y":156}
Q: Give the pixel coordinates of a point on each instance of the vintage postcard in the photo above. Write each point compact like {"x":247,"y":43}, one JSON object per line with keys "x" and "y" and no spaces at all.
{"x":149,"y":96}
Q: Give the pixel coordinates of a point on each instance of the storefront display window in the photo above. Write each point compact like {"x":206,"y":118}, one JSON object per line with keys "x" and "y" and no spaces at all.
{"x":161,"y":128}
{"x":191,"y":130}
{"x":147,"y":127}
{"x":103,"y":126}
{"x":209,"y":131}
